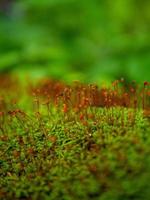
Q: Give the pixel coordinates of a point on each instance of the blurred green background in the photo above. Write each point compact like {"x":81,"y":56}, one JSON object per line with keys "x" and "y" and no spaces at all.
{"x":89,"y":40}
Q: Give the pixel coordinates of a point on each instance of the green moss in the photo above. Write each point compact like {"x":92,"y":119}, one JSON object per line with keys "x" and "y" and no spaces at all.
{"x":57,"y":156}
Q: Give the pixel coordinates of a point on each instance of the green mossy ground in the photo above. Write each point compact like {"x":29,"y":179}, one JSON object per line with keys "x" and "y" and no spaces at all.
{"x":52,"y":151}
{"x":56,"y":157}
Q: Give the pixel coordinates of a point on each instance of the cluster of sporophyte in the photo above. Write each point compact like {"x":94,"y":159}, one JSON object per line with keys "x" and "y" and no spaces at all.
{"x":73,"y":142}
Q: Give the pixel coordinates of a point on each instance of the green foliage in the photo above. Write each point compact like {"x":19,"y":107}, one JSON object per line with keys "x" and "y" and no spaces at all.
{"x":88,"y":40}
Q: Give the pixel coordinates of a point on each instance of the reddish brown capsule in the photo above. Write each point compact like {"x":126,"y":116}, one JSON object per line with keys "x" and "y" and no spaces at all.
{"x":20,"y":112}
{"x":3,"y":138}
{"x":52,"y":138}
{"x":12,"y":113}
{"x":148,"y":93}
{"x":30,"y":151}
{"x":146,"y":83}
{"x":132,"y":90}
{"x":81,"y":116}
{"x":16,"y":153}
{"x":65,"y":108}
{"x":1,"y":114}
{"x":85,"y":123}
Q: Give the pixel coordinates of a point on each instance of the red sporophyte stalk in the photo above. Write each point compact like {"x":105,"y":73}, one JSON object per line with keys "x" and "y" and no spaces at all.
{"x":19,"y":115}
{"x":13,"y":113}
{"x":65,"y":108}
{"x":81,"y":116}
{"x":36,"y":101}
{"x":1,"y":121}
{"x":105,"y":94}
{"x":47,"y":104}
{"x":144,"y":93}
{"x":81,"y":97}
{"x":115,"y":83}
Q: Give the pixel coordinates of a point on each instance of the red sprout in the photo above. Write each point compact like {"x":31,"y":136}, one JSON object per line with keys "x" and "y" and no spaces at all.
{"x":146,"y":83}
{"x":65,"y":108}
{"x":81,"y":116}
{"x":1,"y":114}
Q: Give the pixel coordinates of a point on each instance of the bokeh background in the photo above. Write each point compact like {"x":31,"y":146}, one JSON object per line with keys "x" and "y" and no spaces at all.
{"x":89,"y":40}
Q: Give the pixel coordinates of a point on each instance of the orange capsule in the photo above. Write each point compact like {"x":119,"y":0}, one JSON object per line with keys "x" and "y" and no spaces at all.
{"x":148,"y":93}
{"x":85,"y":123}
{"x":81,"y":116}
{"x":65,"y":108}
{"x":132,"y":90}
{"x":52,"y":138}
{"x":1,"y":114}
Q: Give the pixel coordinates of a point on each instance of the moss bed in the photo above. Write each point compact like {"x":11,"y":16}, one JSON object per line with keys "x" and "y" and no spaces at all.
{"x":57,"y":145}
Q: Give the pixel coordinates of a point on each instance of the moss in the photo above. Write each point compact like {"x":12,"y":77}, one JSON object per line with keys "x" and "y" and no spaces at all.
{"x":47,"y":153}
